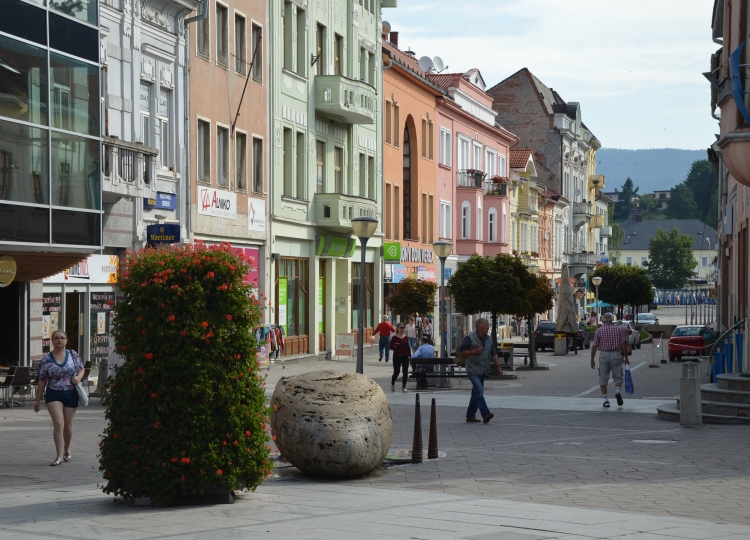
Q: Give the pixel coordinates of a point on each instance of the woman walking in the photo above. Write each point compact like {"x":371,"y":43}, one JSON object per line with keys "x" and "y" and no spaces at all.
{"x":401,"y":353}
{"x":523,"y":330}
{"x":427,"y":328}
{"x":59,"y":372}
{"x":411,"y":333}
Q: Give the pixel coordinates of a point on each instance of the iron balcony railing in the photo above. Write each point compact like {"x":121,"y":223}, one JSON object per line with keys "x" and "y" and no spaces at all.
{"x":470,"y":178}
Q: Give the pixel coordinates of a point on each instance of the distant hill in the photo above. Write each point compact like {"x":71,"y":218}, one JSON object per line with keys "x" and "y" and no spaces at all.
{"x":653,"y":169}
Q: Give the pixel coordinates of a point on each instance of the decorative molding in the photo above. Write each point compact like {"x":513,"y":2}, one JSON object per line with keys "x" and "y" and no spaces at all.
{"x":147,"y":69}
{"x":300,"y":3}
{"x":160,"y":54}
{"x":323,"y":5}
{"x":367,"y":44}
{"x":293,"y":115}
{"x":339,"y":133}
{"x":338,"y":13}
{"x":165,"y":76}
{"x":277,"y":142}
{"x":155,"y":17}
{"x":311,"y":149}
{"x":321,"y":126}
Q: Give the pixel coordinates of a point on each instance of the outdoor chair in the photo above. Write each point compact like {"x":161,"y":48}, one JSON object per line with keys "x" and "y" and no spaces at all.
{"x":21,"y":380}
{"x":8,"y":384}
{"x":86,"y":372}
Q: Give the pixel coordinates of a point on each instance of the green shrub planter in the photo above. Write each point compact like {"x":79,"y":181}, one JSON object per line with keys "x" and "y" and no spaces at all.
{"x":186,"y":410}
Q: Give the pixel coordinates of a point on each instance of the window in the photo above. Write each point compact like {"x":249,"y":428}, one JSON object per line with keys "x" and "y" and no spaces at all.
{"x":163,"y":123}
{"x":704,"y":261}
{"x":338,"y":168}
{"x":222,"y":156}
{"x":204,"y":152}
{"x":387,"y":211}
{"x":503,"y":228}
{"x":75,"y":172}
{"x":240,"y":156}
{"x":320,"y":156}
{"x":28,"y":79}
{"x":289,"y":35}
{"x":430,"y":219}
{"x":501,"y":166}
{"x":371,"y":178}
{"x":396,"y":209}
{"x":362,"y":64}
{"x":446,"y":219}
{"x":319,"y":45}
{"x":257,"y":46}
{"x":24,"y":152}
{"x":145,"y":108}
{"x":524,"y":237}
{"x":301,"y":159}
{"x":489,"y":159}
{"x":629,"y":261}
{"x":75,"y":91}
{"x":257,"y":165}
{"x":369,"y":300}
{"x":371,"y":73}
{"x":338,"y":54}
{"x":388,"y":112}
{"x":301,"y":41}
{"x":535,"y":238}
{"x":463,"y":153}
{"x":289,"y":186}
{"x":445,"y":148}
{"x":407,"y":185}
{"x":203,"y":38}
{"x":396,"y":124}
{"x":423,"y":212}
{"x":240,"y":45}
{"x":430,"y":140}
{"x":424,"y":138}
{"x":292,"y":293}
{"x":222,"y":37}
{"x":465,"y":219}
{"x":492,"y":226}
{"x":477,"y":157}
{"x":479,"y":223}
{"x":513,"y":235}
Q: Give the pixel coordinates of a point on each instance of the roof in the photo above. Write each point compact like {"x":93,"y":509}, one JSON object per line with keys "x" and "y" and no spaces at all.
{"x":614,"y":196}
{"x":409,"y":64}
{"x":519,"y":158}
{"x":640,"y":232}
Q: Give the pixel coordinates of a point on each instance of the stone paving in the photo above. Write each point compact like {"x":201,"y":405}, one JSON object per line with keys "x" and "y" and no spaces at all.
{"x":552,"y":464}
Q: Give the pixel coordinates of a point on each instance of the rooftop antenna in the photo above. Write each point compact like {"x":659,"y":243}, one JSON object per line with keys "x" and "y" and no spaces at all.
{"x":386,"y":28}
{"x":438,"y":65}
{"x":425,"y":64}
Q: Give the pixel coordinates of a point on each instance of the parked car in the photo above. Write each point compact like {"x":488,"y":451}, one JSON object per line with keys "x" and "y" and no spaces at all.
{"x":634,"y":337}
{"x":644,"y":319}
{"x":544,"y":336}
{"x":584,"y":338}
{"x":690,"y":340}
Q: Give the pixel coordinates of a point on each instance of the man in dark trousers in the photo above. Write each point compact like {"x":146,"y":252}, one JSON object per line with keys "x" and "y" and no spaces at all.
{"x":478,"y":349}
{"x":384,"y":330}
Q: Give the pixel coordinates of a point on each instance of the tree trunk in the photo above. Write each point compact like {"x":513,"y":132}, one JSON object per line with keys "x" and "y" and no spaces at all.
{"x":494,"y":328}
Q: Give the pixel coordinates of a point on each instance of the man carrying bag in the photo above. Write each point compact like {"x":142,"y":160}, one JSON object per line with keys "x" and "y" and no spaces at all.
{"x":612,"y":344}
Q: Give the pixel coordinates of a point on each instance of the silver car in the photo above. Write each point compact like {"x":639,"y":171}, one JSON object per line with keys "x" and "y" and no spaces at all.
{"x":634,"y":337}
{"x":644,"y":319}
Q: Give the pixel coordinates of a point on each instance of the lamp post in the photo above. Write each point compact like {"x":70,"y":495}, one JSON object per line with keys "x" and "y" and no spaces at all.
{"x":364,"y":228}
{"x":534,"y":270}
{"x":443,"y":249}
{"x":597,"y":281}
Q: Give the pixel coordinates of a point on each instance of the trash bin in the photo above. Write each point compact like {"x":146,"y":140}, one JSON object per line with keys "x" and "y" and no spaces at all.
{"x":506,"y":353}
{"x":561,"y":344}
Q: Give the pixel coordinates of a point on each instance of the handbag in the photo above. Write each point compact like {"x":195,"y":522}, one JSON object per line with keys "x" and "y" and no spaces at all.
{"x":83,"y":399}
{"x":629,"y":388}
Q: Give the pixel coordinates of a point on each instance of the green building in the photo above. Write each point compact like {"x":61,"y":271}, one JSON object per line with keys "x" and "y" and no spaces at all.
{"x":326,"y":167}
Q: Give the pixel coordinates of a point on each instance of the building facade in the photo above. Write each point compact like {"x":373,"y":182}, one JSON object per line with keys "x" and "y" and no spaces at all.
{"x":325,"y":167}
{"x":229,"y":136}
{"x":50,"y":147}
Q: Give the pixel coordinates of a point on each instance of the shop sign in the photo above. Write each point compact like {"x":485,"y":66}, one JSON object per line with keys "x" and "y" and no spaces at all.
{"x":392,"y":252}
{"x":344,"y":344}
{"x":51,"y":308}
{"x":256,"y":215}
{"x":282,"y":303}
{"x":416,"y":255}
{"x":165,"y":233}
{"x":399,"y":273}
{"x":94,"y":269}
{"x":162,"y":201}
{"x":321,"y":301}
{"x":579,"y":294}
{"x":447,"y":273}
{"x":253,"y":256}
{"x":7,"y":270}
{"x":102,"y":318}
{"x":334,"y":246}
{"x":217,"y":203}
{"x":425,"y":274}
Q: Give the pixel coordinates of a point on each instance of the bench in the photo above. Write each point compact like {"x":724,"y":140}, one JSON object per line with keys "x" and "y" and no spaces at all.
{"x":452,"y":370}
{"x":507,"y":361}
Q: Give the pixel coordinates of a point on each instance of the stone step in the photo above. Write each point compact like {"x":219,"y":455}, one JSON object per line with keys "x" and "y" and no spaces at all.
{"x":725,"y":409}
{"x":671,"y":413}
{"x":734,"y":381}
{"x":712,"y":392}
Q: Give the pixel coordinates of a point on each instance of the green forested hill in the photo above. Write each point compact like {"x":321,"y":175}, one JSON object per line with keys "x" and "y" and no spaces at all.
{"x":652,"y":169}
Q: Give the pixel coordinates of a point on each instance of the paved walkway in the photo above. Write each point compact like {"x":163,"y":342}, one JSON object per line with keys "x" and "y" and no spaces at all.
{"x":552,"y":464}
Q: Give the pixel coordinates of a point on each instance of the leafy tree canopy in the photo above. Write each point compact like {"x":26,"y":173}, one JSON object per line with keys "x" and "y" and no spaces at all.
{"x":682,"y":204}
{"x":670,"y":259}
{"x":413,"y":296}
{"x":627,"y":192}
{"x":702,"y":181}
{"x":624,"y":285}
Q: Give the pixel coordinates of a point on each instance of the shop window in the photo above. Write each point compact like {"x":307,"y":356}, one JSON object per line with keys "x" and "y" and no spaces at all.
{"x":292,"y":295}
{"x":25,"y":86}
{"x":369,"y":277}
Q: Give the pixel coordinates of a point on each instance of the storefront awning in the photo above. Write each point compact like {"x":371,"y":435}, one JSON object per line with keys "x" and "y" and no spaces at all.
{"x":34,"y":265}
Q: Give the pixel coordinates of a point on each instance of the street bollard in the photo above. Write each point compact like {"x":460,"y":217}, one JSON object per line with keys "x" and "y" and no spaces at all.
{"x":416,"y":449}
{"x":432,"y":444}
{"x":561,"y":345}
{"x":690,"y":395}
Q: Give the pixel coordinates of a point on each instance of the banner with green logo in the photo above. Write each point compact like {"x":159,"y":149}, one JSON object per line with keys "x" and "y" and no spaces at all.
{"x":321,"y":296}
{"x":392,"y":252}
{"x":334,"y":246}
{"x":282,"y":303}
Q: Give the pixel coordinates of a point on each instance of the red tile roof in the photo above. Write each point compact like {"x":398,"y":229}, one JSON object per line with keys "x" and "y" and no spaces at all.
{"x":519,"y":158}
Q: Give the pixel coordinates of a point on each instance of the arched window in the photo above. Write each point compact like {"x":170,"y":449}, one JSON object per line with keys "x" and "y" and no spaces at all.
{"x":407,"y":184}
{"x":465,"y":219}
{"x":479,"y":223}
{"x":504,"y":227}
{"x":492,"y":226}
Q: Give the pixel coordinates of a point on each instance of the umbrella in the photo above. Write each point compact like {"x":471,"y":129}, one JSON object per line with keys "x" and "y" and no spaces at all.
{"x":600,"y":304}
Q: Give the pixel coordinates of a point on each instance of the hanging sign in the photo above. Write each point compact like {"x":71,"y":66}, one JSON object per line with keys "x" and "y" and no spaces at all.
{"x":163,"y":201}
{"x":8,"y":270}
{"x":165,"y":233}
{"x":334,"y":246}
{"x":392,"y":252}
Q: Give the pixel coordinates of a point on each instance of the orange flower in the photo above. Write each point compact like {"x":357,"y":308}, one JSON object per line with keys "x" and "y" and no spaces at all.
{"x":185,"y":460}
{"x":171,"y":318}
{"x":204,"y":324}
{"x":274,"y":437}
{"x":229,"y":317}
{"x":210,"y":274}
{"x":247,"y":434}
{"x":219,"y":472}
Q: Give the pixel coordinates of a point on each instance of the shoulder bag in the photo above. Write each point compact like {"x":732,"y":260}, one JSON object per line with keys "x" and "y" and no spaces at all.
{"x":83,"y":399}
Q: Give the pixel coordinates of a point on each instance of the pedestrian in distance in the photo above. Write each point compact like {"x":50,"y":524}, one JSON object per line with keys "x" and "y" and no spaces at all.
{"x":610,"y":342}
{"x":401,"y":353}
{"x":411,"y":333}
{"x":478,"y":349}
{"x":427,"y":329}
{"x":523,"y":330}
{"x":384,"y":330}
{"x":59,"y":372}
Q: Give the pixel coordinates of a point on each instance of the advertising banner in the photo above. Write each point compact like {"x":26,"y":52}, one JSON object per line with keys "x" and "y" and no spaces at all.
{"x":256,"y":215}
{"x":102,"y":318}
{"x":163,"y":201}
{"x":392,"y":252}
{"x":282,"y":303}
{"x":399,"y":273}
{"x":217,"y":203}
{"x":51,"y":308}
{"x":95,"y":269}
{"x":345,"y":345}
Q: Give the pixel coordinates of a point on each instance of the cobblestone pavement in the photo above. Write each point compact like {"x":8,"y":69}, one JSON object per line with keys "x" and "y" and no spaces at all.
{"x":550,"y":466}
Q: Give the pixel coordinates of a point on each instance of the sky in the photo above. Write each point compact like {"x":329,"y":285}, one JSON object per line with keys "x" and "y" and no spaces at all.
{"x":635,"y":66}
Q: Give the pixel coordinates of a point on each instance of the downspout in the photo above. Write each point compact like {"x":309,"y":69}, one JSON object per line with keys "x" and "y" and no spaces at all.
{"x":186,"y":195}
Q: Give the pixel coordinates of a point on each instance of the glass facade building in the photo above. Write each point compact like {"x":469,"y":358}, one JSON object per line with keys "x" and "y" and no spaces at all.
{"x":50,"y":124}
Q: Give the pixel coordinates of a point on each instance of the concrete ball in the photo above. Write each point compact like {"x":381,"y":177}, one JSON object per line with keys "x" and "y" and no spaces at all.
{"x":331,"y":424}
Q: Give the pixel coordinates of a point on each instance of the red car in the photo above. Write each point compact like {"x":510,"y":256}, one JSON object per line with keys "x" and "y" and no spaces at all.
{"x":690,"y":340}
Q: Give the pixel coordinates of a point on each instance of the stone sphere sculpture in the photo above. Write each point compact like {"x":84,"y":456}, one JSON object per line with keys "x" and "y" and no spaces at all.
{"x":331,"y":424}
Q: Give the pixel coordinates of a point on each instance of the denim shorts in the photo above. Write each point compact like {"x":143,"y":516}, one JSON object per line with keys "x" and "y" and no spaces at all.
{"x":69,"y":398}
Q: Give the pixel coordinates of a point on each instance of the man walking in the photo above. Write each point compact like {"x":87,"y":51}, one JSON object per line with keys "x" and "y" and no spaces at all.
{"x":384,"y":330}
{"x":609,"y":340}
{"x":478,"y":349}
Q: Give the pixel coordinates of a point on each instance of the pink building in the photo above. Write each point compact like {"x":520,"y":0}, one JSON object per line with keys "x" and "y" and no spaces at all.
{"x":472,"y":170}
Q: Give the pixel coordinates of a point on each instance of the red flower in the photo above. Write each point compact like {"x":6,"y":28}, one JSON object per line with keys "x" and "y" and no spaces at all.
{"x":235,"y":443}
{"x":171,"y":318}
{"x":144,"y":283}
{"x":111,"y":302}
{"x":223,"y":288}
{"x":210,"y":274}
{"x":224,"y":443}
{"x":184,"y":333}
{"x":204,"y":324}
{"x":135,"y":463}
{"x":153,"y":395}
{"x":185,"y":460}
{"x":247,"y":434}
{"x":148,"y":356}
{"x":174,"y":460}
{"x":156,"y":425}
{"x":274,"y":437}
{"x":229,"y":317}
{"x":135,"y":446}
{"x":275,"y":407}
{"x":115,"y":435}
{"x":219,"y":472}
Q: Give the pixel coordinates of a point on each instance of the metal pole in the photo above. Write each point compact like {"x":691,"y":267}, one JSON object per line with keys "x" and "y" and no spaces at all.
{"x":686,"y":307}
{"x":443,"y":340}
{"x":361,"y":308}
{"x":598,"y":307}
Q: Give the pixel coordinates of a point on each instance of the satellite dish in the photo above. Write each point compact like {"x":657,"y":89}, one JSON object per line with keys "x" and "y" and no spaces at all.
{"x":425,"y":64}
{"x":437,"y":63}
{"x":386,"y":27}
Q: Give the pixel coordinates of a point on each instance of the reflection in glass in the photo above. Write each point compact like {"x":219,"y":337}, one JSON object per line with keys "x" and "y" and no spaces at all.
{"x":75,"y":86}
{"x":76,"y":228}
{"x":23,"y":81}
{"x":83,"y":10}
{"x":75,"y":171}
{"x":24,"y":223}
{"x":23,"y":164}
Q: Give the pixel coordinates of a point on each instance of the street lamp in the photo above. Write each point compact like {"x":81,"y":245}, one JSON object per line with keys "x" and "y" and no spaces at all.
{"x":533,"y":270}
{"x":443,"y":249}
{"x":597,"y":281}
{"x":364,"y":228}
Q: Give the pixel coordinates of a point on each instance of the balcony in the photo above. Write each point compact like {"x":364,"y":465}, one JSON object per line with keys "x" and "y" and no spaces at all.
{"x":128,"y":170}
{"x":597,"y":221}
{"x":581,"y":263}
{"x":596,"y":181}
{"x":605,"y":232}
{"x":335,"y":210}
{"x":346,"y":100}
{"x":470,"y":178}
{"x":493,"y":189}
{"x":582,"y":214}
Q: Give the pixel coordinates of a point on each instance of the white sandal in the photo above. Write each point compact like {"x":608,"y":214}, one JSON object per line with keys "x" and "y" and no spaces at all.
{"x":67,"y":457}
{"x":55,"y":463}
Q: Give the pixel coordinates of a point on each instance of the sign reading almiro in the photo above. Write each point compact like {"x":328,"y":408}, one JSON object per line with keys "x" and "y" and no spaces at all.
{"x":416,"y":255}
{"x":214,"y":202}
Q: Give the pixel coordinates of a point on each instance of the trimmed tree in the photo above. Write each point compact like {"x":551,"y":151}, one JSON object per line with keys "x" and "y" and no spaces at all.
{"x":413,"y":296}
{"x":624,"y":285}
{"x":670,"y":259}
{"x":186,"y":410}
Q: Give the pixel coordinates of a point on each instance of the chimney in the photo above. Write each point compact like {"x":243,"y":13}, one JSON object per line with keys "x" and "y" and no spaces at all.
{"x":393,"y":38}
{"x":639,"y":217}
